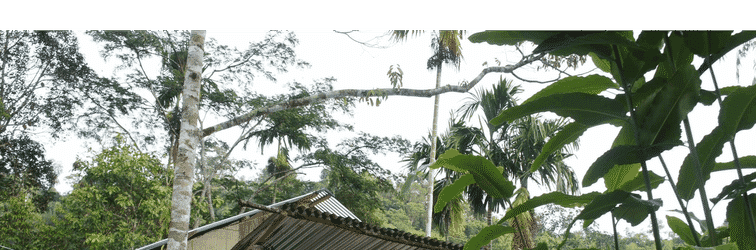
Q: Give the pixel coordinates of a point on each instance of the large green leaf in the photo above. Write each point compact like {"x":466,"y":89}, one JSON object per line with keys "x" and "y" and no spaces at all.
{"x":567,"y":135}
{"x":620,"y":155}
{"x":708,"y":149}
{"x":738,"y":112}
{"x":619,"y":175}
{"x":635,"y":210}
{"x":497,"y":37}
{"x":602,"y":205}
{"x":540,"y":246}
{"x":745,"y":162}
{"x":444,"y":160}
{"x":592,"y":84}
{"x":657,"y":124}
{"x":450,"y":192}
{"x":584,"y":42}
{"x":639,"y":184}
{"x":558,"y":198}
{"x":740,"y":230}
{"x":583,"y":108}
{"x":681,"y":229}
{"x":486,"y":235}
{"x":734,"y":42}
{"x":703,"y":43}
{"x":487,"y":176}
{"x":736,"y":188}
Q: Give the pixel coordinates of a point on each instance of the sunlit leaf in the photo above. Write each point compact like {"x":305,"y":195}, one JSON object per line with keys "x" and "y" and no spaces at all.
{"x":740,"y":230}
{"x":583,"y":108}
{"x":448,"y":193}
{"x":592,"y":84}
{"x":681,"y":229}
{"x":486,"y":235}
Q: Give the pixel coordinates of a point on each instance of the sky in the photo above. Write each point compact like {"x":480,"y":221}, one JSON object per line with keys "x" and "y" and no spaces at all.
{"x":356,"y":66}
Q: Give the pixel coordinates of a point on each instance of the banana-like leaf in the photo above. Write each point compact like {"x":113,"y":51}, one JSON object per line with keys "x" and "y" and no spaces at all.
{"x":638,"y":184}
{"x":736,"y":188}
{"x":582,"y":43}
{"x":619,"y":175}
{"x":703,"y":43}
{"x":445,"y":159}
{"x":620,"y":155}
{"x":558,"y":198}
{"x":497,"y":37}
{"x":738,"y":112}
{"x":583,"y":108}
{"x":634,"y":210}
{"x":450,"y":192}
{"x":486,"y":235}
{"x":745,"y":162}
{"x":567,"y":135}
{"x":486,"y":175}
{"x":681,"y":229}
{"x":740,"y":230}
{"x":592,"y":84}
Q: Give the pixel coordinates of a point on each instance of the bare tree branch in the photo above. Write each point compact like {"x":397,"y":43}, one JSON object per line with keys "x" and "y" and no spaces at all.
{"x":367,"y":93}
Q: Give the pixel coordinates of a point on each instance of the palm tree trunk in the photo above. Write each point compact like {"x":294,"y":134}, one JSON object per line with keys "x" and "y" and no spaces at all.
{"x":489,"y":221}
{"x":189,"y":139}
{"x":433,"y":154}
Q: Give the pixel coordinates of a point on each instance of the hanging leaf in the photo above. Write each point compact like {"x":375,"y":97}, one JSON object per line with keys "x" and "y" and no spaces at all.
{"x":557,"y":198}
{"x":745,"y":162}
{"x":740,"y":230}
{"x":496,"y":37}
{"x":736,"y":188}
{"x":583,"y":108}
{"x":487,"y":176}
{"x":592,"y":84}
{"x":450,"y":192}
{"x":635,"y":210}
{"x":486,"y":235}
{"x":444,"y":160}
{"x":620,"y":155}
{"x":681,"y":229}
{"x":639,"y":184}
{"x":567,"y":135}
{"x":703,"y":43}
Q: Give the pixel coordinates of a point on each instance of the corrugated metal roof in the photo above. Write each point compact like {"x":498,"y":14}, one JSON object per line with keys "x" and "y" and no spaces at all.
{"x":296,"y":227}
{"x":327,"y":205}
{"x":316,"y":220}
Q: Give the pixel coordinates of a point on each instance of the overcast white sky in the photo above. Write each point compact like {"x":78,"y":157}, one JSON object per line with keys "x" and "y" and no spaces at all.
{"x":355,"y":66}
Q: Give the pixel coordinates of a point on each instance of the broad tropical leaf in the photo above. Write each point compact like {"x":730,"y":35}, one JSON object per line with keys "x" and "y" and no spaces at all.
{"x":703,"y":43}
{"x":444,"y":160}
{"x":582,"y":43}
{"x":740,"y":232}
{"x":487,"y":176}
{"x":592,"y":84}
{"x":736,"y":188}
{"x":634,"y":209}
{"x":486,"y":235}
{"x":567,"y":135}
{"x":620,"y":155}
{"x":450,"y":192}
{"x":638,"y":184}
{"x":681,"y":229}
{"x":558,"y":198}
{"x":583,"y":108}
{"x":496,"y":37}
{"x":738,"y":113}
{"x":619,"y":175}
{"x":745,"y":162}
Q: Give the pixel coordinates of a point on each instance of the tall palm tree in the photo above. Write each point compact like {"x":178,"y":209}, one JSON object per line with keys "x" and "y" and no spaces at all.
{"x":447,"y":49}
{"x":513,"y":146}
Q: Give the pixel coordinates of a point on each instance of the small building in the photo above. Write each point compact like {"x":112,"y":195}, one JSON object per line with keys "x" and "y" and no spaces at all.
{"x":311,"y":221}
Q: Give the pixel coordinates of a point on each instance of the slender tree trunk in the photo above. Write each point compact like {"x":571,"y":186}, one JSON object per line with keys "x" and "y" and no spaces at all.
{"x":188,"y":141}
{"x":433,"y":154}
{"x":489,"y":221}
{"x":210,"y":202}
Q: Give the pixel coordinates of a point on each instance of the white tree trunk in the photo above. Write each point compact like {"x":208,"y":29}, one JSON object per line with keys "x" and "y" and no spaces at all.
{"x":433,"y":154}
{"x":188,"y":141}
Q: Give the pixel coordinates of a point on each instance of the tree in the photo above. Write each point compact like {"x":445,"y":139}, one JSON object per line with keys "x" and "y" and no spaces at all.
{"x":121,"y":201}
{"x":446,"y":49}
{"x":25,"y":171}
{"x":188,"y":141}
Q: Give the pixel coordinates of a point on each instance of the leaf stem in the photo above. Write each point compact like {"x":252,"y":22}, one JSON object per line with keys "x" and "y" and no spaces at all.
{"x":641,"y":153}
{"x":682,"y":206}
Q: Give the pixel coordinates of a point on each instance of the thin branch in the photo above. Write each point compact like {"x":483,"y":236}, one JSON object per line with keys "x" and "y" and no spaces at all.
{"x":366,"y":44}
{"x":321,"y":97}
{"x":534,"y":81}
